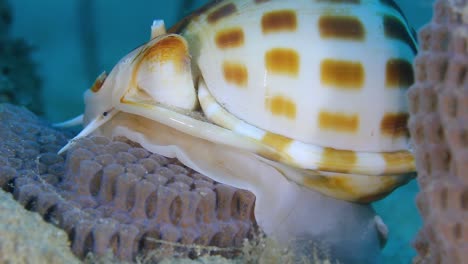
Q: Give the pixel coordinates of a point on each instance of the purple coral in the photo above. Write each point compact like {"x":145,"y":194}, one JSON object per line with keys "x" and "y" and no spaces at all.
{"x":114,"y":195}
{"x":439,"y":129}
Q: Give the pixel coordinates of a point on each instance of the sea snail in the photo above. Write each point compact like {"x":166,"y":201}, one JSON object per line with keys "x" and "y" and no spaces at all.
{"x":315,"y":89}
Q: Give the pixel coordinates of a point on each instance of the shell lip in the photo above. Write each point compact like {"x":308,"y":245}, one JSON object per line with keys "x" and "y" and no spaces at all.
{"x":345,"y":186}
{"x":399,"y":162}
{"x":369,"y":163}
{"x":301,"y":155}
{"x":188,"y":124}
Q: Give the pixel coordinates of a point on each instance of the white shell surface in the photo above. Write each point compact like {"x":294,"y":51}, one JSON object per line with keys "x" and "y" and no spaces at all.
{"x":292,"y":97}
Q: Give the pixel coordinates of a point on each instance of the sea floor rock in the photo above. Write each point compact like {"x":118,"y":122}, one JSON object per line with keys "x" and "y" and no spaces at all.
{"x":26,"y":238}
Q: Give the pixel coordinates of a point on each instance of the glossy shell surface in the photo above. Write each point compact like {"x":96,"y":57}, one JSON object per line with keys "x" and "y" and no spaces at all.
{"x":316,"y":89}
{"x":328,"y":73}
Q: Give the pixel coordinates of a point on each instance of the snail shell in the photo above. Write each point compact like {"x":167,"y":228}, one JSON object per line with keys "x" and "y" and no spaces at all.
{"x":316,"y":89}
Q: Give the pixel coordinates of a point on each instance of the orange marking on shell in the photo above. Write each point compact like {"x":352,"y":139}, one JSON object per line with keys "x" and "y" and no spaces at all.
{"x":348,"y":75}
{"x":98,"y":82}
{"x":279,"y":20}
{"x":394,"y":124}
{"x":337,"y":160}
{"x":168,"y":49}
{"x":221,"y":13}
{"x":343,"y":185}
{"x":282,"y":61}
{"x":341,"y":27}
{"x":278,"y":142}
{"x":281,"y":106}
{"x":396,"y":160}
{"x":398,"y":74}
{"x":278,"y":145}
{"x":336,"y":183}
{"x":230,"y":38}
{"x":338,"y":122}
{"x":235,"y":73}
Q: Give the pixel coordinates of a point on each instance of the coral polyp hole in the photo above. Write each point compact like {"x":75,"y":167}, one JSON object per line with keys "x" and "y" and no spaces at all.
{"x":95,"y":184}
{"x":461,"y":76}
{"x":71,"y":237}
{"x":51,"y":214}
{"x":236,"y":206}
{"x":151,"y":207}
{"x":418,"y":136}
{"x":444,"y":198}
{"x":131,"y":197}
{"x":31,"y":204}
{"x":176,"y":211}
{"x":451,"y":106}
{"x":88,"y":244}
{"x":458,"y":231}
{"x":200,"y":214}
{"x":438,"y":68}
{"x":114,"y":243}
{"x":10,"y":186}
{"x":464,"y":138}
{"x":217,"y":239}
{"x":240,"y":204}
{"x":433,"y":104}
{"x":446,"y":160}
{"x":148,"y":241}
{"x":439,"y":134}
{"x":427,"y":163}
{"x":464,"y":199}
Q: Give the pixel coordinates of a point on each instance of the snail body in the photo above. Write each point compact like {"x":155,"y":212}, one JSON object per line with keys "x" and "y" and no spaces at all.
{"x":255,"y":92}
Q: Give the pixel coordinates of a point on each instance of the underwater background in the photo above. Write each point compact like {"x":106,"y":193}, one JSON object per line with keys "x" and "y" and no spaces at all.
{"x":75,"y":40}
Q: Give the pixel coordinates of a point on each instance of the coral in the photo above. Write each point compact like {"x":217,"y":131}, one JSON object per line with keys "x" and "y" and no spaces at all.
{"x":439,"y":131}
{"x":136,"y":190}
{"x":25,"y":236}
{"x":114,"y":195}
{"x":19,"y":82}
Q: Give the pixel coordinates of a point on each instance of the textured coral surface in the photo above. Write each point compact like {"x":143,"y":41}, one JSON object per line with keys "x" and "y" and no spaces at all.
{"x":113,"y":195}
{"x":439,"y":130}
{"x":145,"y":198}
